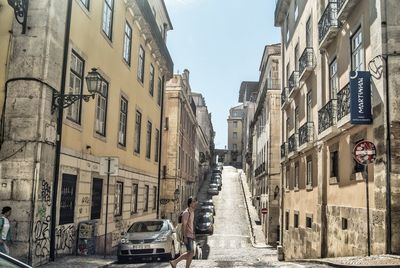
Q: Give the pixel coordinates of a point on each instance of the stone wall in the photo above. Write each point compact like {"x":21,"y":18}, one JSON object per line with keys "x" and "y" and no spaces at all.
{"x":302,"y":242}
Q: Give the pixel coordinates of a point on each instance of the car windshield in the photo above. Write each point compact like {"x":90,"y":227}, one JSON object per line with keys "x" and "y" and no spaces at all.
{"x":148,"y":226}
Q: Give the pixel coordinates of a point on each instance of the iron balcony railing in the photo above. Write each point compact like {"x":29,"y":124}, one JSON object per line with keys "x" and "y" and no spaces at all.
{"x":284,"y":96}
{"x":343,"y":102}
{"x":148,"y":15}
{"x":292,"y":143}
{"x":260,"y":169}
{"x":328,"y":20}
{"x":306,"y":133}
{"x":306,"y":60}
{"x":340,"y":4}
{"x":293,"y":81}
{"x":326,"y":116}
{"x":283,"y":150}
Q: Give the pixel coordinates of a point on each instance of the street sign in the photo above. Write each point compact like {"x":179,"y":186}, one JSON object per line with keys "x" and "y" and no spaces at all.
{"x":113,"y":166}
{"x":264,"y":210}
{"x":364,"y":152}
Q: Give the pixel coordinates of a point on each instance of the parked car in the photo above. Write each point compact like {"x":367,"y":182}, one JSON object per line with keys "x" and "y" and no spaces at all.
{"x":208,"y":202}
{"x":204,"y":224}
{"x":146,"y":240}
{"x":9,"y":262}
{"x":215,"y":185}
{"x":206,"y":209}
{"x":216,"y":171}
{"x":217,"y":181}
{"x":213,"y":191}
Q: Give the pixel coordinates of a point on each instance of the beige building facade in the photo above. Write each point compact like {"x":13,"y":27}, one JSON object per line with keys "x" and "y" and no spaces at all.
{"x":125,"y":42}
{"x":235,"y":136}
{"x":179,"y":176}
{"x":324,"y":197}
{"x":266,"y":175}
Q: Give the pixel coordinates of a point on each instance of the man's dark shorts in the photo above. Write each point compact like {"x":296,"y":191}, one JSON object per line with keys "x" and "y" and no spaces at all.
{"x":189,"y":244}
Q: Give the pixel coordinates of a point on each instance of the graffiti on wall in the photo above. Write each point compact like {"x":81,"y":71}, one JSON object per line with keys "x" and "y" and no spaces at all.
{"x":45,"y":193}
{"x":87,"y":238}
{"x":41,"y":235}
{"x":65,"y":238}
{"x":86,"y":200}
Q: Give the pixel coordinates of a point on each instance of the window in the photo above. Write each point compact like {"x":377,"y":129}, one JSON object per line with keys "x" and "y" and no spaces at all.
{"x":287,"y":126}
{"x":309,"y":221}
{"x":235,"y":124}
{"x":75,"y":86}
{"x":97,"y":192}
{"x":108,"y":18}
{"x":159,"y":91}
{"x":333,"y":79}
{"x":296,"y":175}
{"x":127,"y":43}
{"x":357,"y":61}
{"x":287,"y":220}
{"x":154,"y":197}
{"x":235,"y":135}
{"x":296,"y":219}
{"x":146,"y":198}
{"x":287,"y":178}
{"x":309,"y":33}
{"x":123,"y":118}
{"x":287,"y":28}
{"x":118,"y":198}
{"x":86,"y":3}
{"x":309,"y":172}
{"x":101,"y":109}
{"x":151,"y":83}
{"x":296,"y":57}
{"x":140,"y":70}
{"x":234,"y":147}
{"x":287,"y":74}
{"x":334,"y":164}
{"x":67,"y":203}
{"x":148,"y":139}
{"x":296,"y":10}
{"x":296,"y":119}
{"x":344,"y":223}
{"x":138,"y":126}
{"x":156,"y":145}
{"x":309,"y":107}
{"x":135,"y":189}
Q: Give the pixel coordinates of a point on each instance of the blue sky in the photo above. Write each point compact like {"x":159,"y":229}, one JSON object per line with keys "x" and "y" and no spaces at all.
{"x":221,"y":43}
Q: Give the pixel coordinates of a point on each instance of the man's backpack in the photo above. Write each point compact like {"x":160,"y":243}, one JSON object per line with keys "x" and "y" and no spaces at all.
{"x":180,"y":217}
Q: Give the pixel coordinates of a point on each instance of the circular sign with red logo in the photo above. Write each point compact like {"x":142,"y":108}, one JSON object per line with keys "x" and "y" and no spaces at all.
{"x":264,"y":210}
{"x":364,"y":152}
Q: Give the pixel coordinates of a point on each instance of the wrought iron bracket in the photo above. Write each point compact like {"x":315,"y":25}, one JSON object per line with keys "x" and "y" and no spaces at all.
{"x":65,"y":100}
{"x":20,"y":11}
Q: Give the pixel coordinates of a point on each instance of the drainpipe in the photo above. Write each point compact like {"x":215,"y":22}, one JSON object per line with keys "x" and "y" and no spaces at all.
{"x":59,"y":134}
{"x":160,"y":146}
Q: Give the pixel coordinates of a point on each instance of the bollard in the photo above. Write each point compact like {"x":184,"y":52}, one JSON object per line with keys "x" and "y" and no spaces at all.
{"x":280,"y":253}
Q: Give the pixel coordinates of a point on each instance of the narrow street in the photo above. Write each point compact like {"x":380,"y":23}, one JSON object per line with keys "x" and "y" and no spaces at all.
{"x":230,"y":244}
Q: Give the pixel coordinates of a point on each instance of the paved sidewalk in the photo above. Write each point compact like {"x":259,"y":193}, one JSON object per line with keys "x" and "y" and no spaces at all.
{"x":80,"y":262}
{"x":360,"y":261}
{"x":258,"y":238}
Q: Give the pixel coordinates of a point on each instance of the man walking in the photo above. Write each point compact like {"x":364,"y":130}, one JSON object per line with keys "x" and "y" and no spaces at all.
{"x":188,"y":233}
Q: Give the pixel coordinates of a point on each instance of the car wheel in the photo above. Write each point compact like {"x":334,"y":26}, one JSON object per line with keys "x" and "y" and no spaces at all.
{"x":172,"y":255}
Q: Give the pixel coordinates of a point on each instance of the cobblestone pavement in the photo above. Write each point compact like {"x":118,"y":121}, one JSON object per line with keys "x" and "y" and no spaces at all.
{"x":230,"y":245}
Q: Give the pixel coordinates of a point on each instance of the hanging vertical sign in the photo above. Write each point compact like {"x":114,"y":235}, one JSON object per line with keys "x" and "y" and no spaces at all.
{"x":360,"y":94}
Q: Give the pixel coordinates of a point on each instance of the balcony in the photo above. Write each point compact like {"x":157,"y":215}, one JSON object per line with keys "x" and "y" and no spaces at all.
{"x":306,"y":63}
{"x":292,"y":143}
{"x":344,"y":8}
{"x":327,"y":116}
{"x":284,"y":98}
{"x":306,"y":133}
{"x":283,"y":150}
{"x":260,"y":169}
{"x":343,"y":102}
{"x":328,"y":25}
{"x":293,"y":82}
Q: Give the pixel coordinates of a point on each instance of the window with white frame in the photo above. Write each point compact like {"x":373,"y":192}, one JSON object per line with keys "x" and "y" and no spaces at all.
{"x":309,"y":171}
{"x":159,"y":91}
{"x":287,"y":28}
{"x":333,"y":79}
{"x":127,"y":43}
{"x":148,"y":139}
{"x":156,"y":145}
{"x":108,"y":10}
{"x":119,"y":186}
{"x":123,"y":119}
{"x":140,"y":70}
{"x":296,"y":57}
{"x":86,"y":3}
{"x":151,"y":82}
{"x":75,"y":86}
{"x":101,"y":109}
{"x":138,"y":128}
{"x":357,"y":51}
{"x":309,"y":33}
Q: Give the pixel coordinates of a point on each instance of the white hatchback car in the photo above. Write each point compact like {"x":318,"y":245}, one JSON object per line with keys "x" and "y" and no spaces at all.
{"x":145,"y":240}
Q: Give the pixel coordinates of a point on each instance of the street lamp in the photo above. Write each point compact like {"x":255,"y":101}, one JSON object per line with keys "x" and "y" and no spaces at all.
{"x":94,"y":83}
